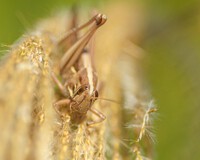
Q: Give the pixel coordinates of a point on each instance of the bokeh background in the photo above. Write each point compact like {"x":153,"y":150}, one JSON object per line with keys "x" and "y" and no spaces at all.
{"x":171,"y":40}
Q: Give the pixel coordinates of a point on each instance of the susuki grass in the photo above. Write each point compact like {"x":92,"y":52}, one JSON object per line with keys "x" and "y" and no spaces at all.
{"x":30,"y":127}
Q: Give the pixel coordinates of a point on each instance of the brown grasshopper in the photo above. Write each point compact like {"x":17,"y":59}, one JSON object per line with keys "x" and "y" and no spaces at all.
{"x":78,"y":74}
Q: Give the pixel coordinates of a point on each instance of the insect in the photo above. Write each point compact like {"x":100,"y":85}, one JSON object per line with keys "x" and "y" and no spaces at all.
{"x":79,"y":86}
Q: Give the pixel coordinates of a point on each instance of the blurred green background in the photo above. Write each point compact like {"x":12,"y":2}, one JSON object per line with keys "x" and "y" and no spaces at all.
{"x":172,"y":42}
{"x":174,"y":73}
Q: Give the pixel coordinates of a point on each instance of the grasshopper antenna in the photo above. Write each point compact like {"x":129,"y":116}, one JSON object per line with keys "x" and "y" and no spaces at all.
{"x":109,"y":100}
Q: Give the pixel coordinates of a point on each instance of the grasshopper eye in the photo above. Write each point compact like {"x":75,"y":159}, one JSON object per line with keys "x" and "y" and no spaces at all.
{"x":79,"y":90}
{"x":86,"y":88}
{"x":96,"y":94}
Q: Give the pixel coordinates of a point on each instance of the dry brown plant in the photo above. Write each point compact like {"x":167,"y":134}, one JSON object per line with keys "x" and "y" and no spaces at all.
{"x":30,"y":127}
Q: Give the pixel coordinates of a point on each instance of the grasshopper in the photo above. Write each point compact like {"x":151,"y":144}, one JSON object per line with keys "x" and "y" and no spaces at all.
{"x":79,"y":86}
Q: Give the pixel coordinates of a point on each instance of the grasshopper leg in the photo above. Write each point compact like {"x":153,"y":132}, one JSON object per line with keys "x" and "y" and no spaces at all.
{"x":59,"y":84}
{"x":73,"y":53}
{"x":101,"y":116}
{"x":59,"y":104}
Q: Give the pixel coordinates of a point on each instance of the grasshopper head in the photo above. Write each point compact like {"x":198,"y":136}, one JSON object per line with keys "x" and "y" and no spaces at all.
{"x":83,"y":100}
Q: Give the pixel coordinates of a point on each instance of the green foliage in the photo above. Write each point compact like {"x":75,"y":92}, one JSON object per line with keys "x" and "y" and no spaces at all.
{"x":174,"y":74}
